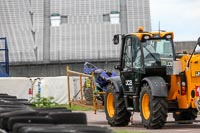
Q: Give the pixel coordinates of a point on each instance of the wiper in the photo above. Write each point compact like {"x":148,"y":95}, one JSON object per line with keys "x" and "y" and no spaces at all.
{"x":157,"y":61}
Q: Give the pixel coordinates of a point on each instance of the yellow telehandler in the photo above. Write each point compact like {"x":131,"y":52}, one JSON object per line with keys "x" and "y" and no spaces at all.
{"x":153,"y":80}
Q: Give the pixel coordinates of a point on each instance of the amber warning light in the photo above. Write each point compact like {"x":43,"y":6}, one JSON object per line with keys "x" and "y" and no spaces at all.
{"x":140,"y":29}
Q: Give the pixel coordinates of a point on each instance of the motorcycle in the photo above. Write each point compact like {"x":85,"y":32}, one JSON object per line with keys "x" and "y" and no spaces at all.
{"x":100,"y":79}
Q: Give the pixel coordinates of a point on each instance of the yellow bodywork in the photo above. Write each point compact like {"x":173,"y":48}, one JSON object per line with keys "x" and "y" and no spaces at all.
{"x":192,"y":74}
{"x":192,"y":80}
{"x":152,"y":34}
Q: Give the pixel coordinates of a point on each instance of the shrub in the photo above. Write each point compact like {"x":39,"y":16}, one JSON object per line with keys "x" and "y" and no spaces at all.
{"x":43,"y":102}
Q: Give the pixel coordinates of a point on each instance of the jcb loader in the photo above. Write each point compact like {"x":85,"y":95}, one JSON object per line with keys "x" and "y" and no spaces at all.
{"x":153,"y":80}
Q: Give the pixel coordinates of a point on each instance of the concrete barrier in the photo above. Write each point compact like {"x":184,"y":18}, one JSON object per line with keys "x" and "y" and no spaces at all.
{"x":24,"y":87}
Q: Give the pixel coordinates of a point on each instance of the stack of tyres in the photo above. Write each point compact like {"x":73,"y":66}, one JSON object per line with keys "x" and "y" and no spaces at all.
{"x":12,"y":106}
{"x":61,"y":129}
{"x":18,"y":116}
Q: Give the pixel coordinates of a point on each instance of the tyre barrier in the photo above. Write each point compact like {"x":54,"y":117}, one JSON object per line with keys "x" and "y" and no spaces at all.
{"x":18,"y":116}
{"x":18,"y":126}
{"x":7,"y":96}
{"x":4,"y":117}
{"x":46,"y":111}
{"x":68,"y":118}
{"x":63,"y":128}
{"x":3,"y":94}
{"x":28,"y":119}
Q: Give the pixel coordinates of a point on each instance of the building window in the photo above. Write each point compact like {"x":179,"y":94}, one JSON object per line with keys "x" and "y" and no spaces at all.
{"x":114,"y":17}
{"x":55,"y":19}
{"x":64,"y":19}
{"x":106,"y":17}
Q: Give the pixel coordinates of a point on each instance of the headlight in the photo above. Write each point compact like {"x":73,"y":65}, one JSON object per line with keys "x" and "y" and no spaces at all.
{"x":169,"y":36}
{"x":146,"y":37}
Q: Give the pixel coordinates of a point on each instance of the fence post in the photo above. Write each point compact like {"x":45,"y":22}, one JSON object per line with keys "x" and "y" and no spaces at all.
{"x":94,"y":96}
{"x":68,"y":83}
{"x":81,"y":88}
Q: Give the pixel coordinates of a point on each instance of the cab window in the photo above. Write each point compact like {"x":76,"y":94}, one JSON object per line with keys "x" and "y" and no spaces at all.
{"x":128,"y":52}
{"x":132,"y":55}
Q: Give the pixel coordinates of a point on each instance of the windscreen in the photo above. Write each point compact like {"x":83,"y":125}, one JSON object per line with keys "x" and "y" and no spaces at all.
{"x":157,"y":52}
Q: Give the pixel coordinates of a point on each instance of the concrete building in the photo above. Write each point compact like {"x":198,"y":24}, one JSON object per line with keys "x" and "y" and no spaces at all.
{"x":52,"y":32}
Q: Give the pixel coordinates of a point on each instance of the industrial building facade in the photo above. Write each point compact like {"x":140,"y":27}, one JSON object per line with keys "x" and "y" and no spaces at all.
{"x":83,"y":31}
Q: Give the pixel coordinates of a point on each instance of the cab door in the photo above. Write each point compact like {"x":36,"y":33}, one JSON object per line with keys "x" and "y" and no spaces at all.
{"x":131,"y":64}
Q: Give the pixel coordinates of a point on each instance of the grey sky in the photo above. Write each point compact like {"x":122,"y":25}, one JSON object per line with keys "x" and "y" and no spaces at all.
{"x":180,"y":16}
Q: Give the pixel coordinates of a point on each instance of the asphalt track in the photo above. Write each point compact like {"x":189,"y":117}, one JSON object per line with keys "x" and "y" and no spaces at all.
{"x":170,"y":127}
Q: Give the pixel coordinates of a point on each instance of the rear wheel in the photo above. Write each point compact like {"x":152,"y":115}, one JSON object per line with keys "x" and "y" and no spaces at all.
{"x":153,"y":110}
{"x":182,"y":117}
{"x":115,"y":109}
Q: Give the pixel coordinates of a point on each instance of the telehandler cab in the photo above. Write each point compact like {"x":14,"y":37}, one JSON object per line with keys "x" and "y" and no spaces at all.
{"x":153,"y":80}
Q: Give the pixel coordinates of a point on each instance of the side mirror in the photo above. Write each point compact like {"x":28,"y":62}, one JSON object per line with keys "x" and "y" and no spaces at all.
{"x":198,"y":41}
{"x":118,"y":67}
{"x":116,"y":39}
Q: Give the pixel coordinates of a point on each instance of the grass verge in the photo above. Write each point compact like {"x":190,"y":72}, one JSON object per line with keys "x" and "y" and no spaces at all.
{"x":78,"y":108}
{"x":74,"y":107}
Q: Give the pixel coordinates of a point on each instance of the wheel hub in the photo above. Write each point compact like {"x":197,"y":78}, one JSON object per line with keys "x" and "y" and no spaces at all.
{"x":145,"y":106}
{"x":110,"y":105}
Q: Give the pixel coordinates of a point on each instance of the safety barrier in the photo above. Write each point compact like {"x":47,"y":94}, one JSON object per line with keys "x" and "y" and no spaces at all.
{"x":81,"y":75}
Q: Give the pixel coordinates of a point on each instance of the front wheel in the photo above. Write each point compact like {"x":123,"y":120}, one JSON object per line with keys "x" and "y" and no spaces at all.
{"x":153,"y":109}
{"x":115,"y":109}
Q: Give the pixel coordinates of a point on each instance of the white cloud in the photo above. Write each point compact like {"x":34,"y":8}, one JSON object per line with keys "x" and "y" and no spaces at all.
{"x":180,"y":16}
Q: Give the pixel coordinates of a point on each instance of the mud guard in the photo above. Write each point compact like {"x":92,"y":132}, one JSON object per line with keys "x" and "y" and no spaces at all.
{"x":157,"y":85}
{"x":117,"y":83}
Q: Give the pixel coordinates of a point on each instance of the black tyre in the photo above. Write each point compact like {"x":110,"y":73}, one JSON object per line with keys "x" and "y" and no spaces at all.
{"x":16,"y":127}
{"x":13,"y":99}
{"x":3,"y":102}
{"x":3,"y":94}
{"x":28,"y":119}
{"x":115,"y":109}
{"x":68,"y":117}
{"x":54,"y":109}
{"x":64,"y":129}
{"x":185,"y":117}
{"x":46,"y":111}
{"x":7,"y":109}
{"x":6,"y":116}
{"x":13,"y":106}
{"x":8,"y":96}
{"x":24,"y":112}
{"x":44,"y":130}
{"x":153,"y":110}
